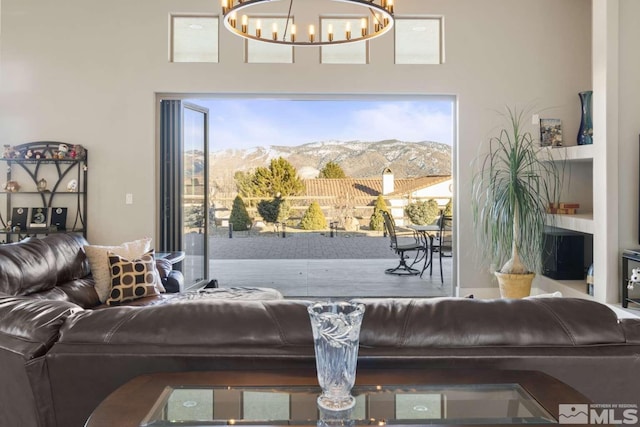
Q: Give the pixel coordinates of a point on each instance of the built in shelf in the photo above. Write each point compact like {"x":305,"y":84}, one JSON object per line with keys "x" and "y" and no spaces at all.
{"x":575,"y":153}
{"x":569,"y":288}
{"x":582,"y":223}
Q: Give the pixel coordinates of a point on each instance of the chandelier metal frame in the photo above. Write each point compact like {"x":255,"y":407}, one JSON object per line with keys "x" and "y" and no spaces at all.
{"x":382,"y":19}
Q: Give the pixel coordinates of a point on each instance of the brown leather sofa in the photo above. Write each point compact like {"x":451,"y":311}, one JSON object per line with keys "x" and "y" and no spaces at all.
{"x":59,"y":360}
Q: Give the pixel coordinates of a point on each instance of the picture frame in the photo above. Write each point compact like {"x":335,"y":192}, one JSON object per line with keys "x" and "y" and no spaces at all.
{"x":59,"y":218}
{"x":550,"y":133}
{"x":38,"y":218}
{"x":19,"y":218}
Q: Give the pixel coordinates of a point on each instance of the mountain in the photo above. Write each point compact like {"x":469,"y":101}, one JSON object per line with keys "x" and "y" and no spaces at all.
{"x":358,"y":159}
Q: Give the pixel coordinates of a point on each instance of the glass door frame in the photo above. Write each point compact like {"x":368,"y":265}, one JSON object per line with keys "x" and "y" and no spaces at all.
{"x":170,"y":179}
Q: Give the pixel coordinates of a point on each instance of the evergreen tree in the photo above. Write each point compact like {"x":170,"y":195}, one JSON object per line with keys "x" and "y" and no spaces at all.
{"x":332,"y":170}
{"x":313,"y":218}
{"x":194,"y":217}
{"x":376,"y":222}
{"x":276,"y":210}
{"x":280,"y":179}
{"x":239,"y":216}
{"x":284,"y":180}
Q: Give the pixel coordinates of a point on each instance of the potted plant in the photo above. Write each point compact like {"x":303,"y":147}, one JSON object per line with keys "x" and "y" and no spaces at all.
{"x":513,"y":186}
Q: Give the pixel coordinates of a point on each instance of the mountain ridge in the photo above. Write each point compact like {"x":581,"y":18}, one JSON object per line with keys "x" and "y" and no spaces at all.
{"x":358,"y":159}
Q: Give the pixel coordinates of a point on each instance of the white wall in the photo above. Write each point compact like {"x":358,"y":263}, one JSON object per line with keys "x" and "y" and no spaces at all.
{"x":629,"y":123}
{"x":86,"y":72}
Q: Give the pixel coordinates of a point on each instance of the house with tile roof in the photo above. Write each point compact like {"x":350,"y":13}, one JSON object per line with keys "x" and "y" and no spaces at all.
{"x":347,"y":198}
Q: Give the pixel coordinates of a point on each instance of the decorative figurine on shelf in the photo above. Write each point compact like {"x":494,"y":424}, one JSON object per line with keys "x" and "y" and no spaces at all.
{"x":37,"y":155}
{"x":72,"y":186}
{"x":77,"y":152}
{"x":635,"y":278}
{"x":28,"y":154}
{"x":12,"y":186}
{"x":9,"y":152}
{"x":63,"y":150}
{"x":42,"y":185}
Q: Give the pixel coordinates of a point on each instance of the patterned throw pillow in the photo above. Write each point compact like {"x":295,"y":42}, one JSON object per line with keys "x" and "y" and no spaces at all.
{"x":132,"y":279}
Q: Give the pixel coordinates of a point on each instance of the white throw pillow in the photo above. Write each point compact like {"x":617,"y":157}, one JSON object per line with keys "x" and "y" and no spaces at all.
{"x":557,"y":294}
{"x":99,"y":261}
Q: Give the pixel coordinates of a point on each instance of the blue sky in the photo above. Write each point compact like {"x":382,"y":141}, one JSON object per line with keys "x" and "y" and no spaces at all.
{"x":248,"y":123}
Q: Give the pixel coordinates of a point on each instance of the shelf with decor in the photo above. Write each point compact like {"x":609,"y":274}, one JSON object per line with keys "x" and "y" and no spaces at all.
{"x":569,"y":288}
{"x":577,"y":165}
{"x":582,"y":222}
{"x":45,"y":190}
{"x":573,"y":153}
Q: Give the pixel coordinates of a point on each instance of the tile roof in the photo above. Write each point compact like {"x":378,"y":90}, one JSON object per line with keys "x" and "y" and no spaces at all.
{"x":366,"y":188}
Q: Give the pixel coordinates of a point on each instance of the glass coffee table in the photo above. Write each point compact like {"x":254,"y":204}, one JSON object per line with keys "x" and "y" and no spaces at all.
{"x":487,"y":404}
{"x":383,"y":397}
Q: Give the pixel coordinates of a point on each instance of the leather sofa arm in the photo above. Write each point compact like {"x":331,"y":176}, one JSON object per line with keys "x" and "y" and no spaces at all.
{"x":31,"y":326}
{"x":172,"y":280}
{"x":175,"y":257}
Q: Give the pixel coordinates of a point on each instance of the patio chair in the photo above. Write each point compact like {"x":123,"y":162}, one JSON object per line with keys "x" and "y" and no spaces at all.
{"x":442,"y":243}
{"x":403,"y":269}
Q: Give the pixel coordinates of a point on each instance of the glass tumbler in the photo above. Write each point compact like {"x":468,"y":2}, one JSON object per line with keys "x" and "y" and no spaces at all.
{"x":336,"y":335}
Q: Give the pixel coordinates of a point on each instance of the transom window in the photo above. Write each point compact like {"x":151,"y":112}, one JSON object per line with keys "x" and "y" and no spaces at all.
{"x":194,"y":39}
{"x":419,"y":41}
{"x":268,"y":53}
{"x":349,"y":53}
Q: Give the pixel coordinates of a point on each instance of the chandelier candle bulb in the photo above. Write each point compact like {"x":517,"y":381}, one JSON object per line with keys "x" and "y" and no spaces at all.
{"x":363,"y":25}
{"x":347,"y":32}
{"x":233,"y":19}
{"x":274,"y":31}
{"x":293,"y":33}
{"x":312,"y":33}
{"x":245,"y":22}
{"x":330,"y":31}
{"x":389,"y":6}
{"x":258,"y":28}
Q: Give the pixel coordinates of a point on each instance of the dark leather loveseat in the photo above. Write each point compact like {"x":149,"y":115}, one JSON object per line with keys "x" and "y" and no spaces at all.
{"x":59,"y":360}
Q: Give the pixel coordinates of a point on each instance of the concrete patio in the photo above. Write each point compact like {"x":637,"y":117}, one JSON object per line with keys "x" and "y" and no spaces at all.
{"x":316,"y":265}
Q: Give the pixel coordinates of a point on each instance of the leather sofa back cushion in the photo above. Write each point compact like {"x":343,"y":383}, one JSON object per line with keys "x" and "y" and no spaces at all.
{"x":398,"y":323}
{"x":36,"y":265}
{"x":71,"y":261}
{"x":467,"y":322}
{"x":26,"y":267}
{"x":209,"y":322}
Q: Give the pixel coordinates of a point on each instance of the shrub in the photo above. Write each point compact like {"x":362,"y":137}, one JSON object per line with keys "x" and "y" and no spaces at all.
{"x":276,"y":210}
{"x":376,"y":222}
{"x":423,"y":213}
{"x":448,"y":209}
{"x":239,"y":216}
{"x":313,"y":218}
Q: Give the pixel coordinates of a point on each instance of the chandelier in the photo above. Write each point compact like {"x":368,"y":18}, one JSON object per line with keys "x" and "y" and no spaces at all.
{"x":378,"y":21}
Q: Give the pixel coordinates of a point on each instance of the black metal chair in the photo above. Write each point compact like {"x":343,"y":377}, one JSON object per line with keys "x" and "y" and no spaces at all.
{"x":403,"y":269}
{"x":441,"y":243}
